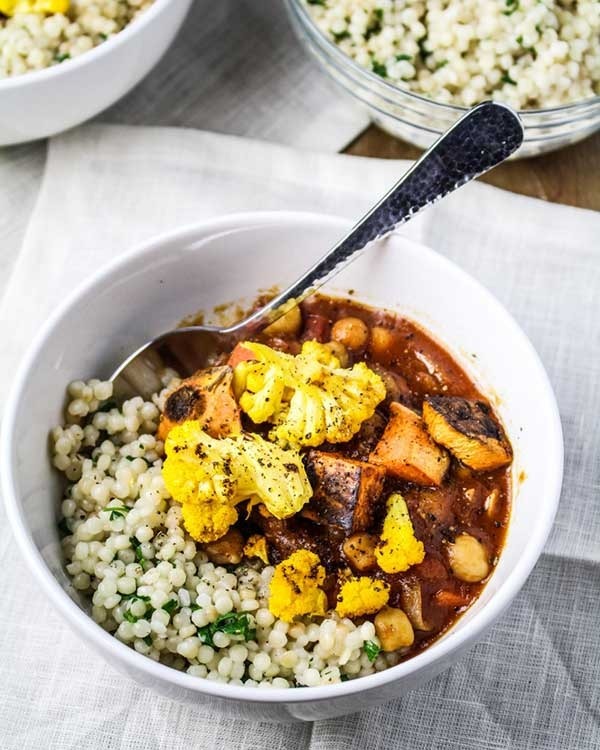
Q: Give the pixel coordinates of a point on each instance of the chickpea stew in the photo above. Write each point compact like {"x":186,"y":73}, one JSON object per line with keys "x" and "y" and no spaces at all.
{"x":322,"y":502}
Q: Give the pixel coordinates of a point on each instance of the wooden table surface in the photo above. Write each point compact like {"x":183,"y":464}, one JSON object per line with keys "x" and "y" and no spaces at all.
{"x":570,"y":176}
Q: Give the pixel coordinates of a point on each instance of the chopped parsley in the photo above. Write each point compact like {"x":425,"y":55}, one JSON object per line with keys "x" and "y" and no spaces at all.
{"x":195,"y":607}
{"x":344,"y":678}
{"x":316,"y":2}
{"x":379,"y":68}
{"x":403,"y":57}
{"x":232,"y":623}
{"x":507,"y":79}
{"x":375,"y":25}
{"x":62,"y":58}
{"x":512,"y":5}
{"x":129,"y":616}
{"x":117,"y":511}
{"x":135,"y":596}
{"x":148,"y":640}
{"x":339,"y":36}
{"x":137,"y":548}
{"x":423,"y":52}
{"x":441,"y":64}
{"x":519,"y":39}
{"x":371,"y":649}
{"x":171,"y":606}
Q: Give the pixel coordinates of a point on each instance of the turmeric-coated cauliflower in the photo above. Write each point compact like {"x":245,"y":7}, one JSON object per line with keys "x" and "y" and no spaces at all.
{"x":295,"y":588}
{"x":308,"y":398}
{"x":361,"y":596}
{"x":256,"y":546}
{"x":398,"y":548}
{"x":209,"y":477}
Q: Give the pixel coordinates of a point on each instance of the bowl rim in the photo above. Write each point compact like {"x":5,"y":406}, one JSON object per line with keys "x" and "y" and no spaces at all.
{"x":105,"y":642}
{"x":87,"y":58}
{"x":459,"y":109}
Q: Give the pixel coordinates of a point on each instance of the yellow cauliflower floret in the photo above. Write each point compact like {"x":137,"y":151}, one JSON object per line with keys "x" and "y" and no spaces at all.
{"x":398,"y":548}
{"x":256,"y":546}
{"x":209,"y":477}
{"x":11,"y":7}
{"x":295,"y":588}
{"x":308,"y":398}
{"x":361,"y":596}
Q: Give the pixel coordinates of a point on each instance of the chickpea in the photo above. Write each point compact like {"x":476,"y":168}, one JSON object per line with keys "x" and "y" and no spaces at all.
{"x":360,"y":551}
{"x":382,"y":343}
{"x":468,"y":559}
{"x":339,"y":350}
{"x":393,"y":629}
{"x":287,"y":325}
{"x":227,"y":550}
{"x":353,"y":333}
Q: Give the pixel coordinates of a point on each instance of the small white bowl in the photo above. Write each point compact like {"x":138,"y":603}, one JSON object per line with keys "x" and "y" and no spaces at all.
{"x":151,"y":289}
{"x":45,"y":102}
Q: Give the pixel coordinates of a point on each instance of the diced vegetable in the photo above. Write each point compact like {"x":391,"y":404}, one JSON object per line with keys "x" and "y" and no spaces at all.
{"x":206,"y":397}
{"x":407,"y":451}
{"x":469,"y":431}
{"x":346,"y":493}
{"x":359,"y":550}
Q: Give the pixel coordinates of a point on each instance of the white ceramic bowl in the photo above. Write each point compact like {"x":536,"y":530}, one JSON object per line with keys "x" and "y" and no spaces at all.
{"x":46,"y":102}
{"x":149,"y":290}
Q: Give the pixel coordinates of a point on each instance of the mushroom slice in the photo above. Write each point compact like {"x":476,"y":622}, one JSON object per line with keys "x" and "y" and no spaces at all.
{"x":467,"y":429}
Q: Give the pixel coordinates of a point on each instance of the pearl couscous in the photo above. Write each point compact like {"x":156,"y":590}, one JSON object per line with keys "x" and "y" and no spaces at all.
{"x":527,"y":53}
{"x":151,"y":584}
{"x":40,"y":39}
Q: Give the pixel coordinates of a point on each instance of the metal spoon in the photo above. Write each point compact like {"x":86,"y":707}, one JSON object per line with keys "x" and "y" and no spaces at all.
{"x":483,"y":138}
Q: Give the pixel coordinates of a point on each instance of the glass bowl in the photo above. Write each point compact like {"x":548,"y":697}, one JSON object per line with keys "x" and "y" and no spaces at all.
{"x":419,"y":120}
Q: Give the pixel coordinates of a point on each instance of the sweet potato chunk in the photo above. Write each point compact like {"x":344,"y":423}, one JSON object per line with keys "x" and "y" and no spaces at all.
{"x":407,"y":451}
{"x":346,"y":493}
{"x":207,"y":397}
{"x":469,"y":431}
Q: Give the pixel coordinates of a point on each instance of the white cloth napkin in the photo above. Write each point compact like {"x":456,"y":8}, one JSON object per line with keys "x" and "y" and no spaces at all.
{"x":532,"y":682}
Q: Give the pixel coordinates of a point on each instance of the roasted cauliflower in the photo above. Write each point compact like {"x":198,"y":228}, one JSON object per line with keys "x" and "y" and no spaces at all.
{"x":361,"y":596}
{"x":398,"y":548}
{"x":209,"y":477}
{"x":295,"y":588}
{"x":308,"y":398}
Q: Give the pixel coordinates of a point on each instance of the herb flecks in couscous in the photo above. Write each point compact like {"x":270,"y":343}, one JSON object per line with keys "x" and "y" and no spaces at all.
{"x":527,"y":53}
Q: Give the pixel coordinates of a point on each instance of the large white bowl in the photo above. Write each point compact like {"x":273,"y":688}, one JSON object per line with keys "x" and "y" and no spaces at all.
{"x":149,"y":290}
{"x":46,"y":102}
